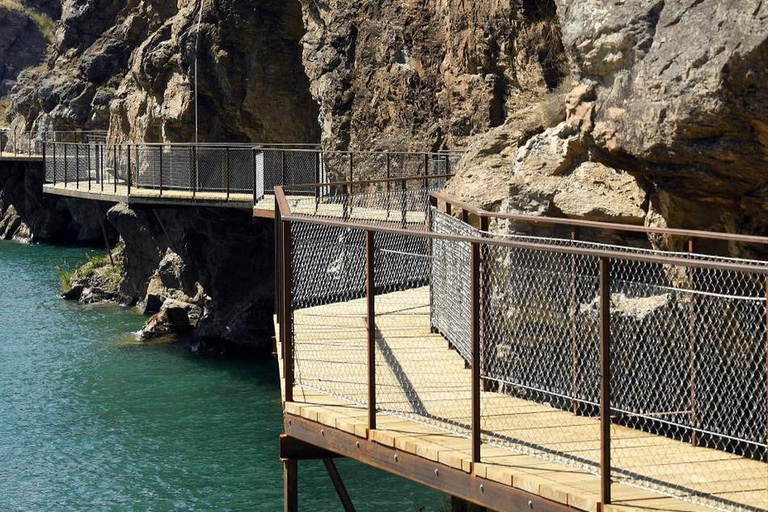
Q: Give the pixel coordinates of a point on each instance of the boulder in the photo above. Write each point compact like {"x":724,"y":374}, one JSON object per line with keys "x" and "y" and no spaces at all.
{"x":171,"y":321}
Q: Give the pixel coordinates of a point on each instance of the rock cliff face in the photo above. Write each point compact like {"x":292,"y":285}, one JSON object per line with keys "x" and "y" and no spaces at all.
{"x":415,"y":75}
{"x":667,"y":95}
{"x":26,"y":29}
{"x":130,"y":66}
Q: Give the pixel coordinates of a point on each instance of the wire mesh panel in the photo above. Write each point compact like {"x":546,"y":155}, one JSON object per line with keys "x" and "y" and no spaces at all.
{"x":400,"y":207}
{"x":329,"y":328}
{"x":419,"y":376}
{"x":451,"y":283}
{"x":689,"y":364}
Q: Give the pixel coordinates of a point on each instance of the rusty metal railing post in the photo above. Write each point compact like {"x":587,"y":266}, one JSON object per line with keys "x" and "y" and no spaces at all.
{"x":605,"y":380}
{"x":351,"y":167}
{"x":160,"y":149}
{"x":88,"y":165}
{"x":574,"y":330}
{"x":286,"y":325}
{"x":282,"y":168}
{"x":228,"y":172}
{"x":77,"y":166}
{"x":403,"y":207}
{"x":426,"y":171}
{"x":475,"y":341}
{"x":255,"y":178}
{"x":66,"y":164}
{"x":129,"y":177}
{"x":692,"y":347}
{"x":370,"y":294}
{"x":114,"y":167}
{"x":317,"y":177}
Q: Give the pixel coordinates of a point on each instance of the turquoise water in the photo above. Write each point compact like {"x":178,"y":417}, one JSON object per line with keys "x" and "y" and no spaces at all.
{"x":92,"y":421}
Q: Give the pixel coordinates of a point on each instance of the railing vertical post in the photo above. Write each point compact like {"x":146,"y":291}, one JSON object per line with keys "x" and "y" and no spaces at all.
{"x":286,"y":326}
{"x":88,"y":165}
{"x":692,"y":347}
{"x":228,"y":170}
{"x":370,"y":293}
{"x":282,"y":168}
{"x":351,"y":167}
{"x":192,"y":169}
{"x":426,"y":171}
{"x":574,"y":331}
{"x":160,"y":160}
{"x":77,"y":166}
{"x":317,"y":177}
{"x":45,"y":160}
{"x":129,"y":170}
{"x":403,"y":212}
{"x":115,"y":151}
{"x":475,"y":341}
{"x":66,"y":164}
{"x":447,"y":164}
{"x":254,"y":177}
{"x":605,"y":380}
{"x":278,"y":263}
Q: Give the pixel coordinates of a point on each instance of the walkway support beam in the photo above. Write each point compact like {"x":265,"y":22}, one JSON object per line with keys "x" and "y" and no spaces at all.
{"x":291,"y":485}
{"x":338,"y":484}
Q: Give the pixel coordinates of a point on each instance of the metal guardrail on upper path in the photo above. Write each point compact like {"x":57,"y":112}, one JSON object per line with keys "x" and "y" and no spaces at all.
{"x":639,"y":366}
{"x":17,"y":142}
{"x":226,"y":172}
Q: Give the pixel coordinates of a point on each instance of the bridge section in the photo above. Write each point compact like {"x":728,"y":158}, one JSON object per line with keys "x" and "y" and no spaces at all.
{"x":227,"y":174}
{"x":516,"y":370}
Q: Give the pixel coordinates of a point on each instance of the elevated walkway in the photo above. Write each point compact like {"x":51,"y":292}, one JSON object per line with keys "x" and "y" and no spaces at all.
{"x":518,"y":370}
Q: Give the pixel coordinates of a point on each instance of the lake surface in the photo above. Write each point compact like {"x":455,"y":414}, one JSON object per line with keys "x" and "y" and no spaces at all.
{"x":91,"y":420}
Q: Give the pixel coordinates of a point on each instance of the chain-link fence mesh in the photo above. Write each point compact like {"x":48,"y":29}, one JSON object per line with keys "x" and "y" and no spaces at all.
{"x":687,"y":334}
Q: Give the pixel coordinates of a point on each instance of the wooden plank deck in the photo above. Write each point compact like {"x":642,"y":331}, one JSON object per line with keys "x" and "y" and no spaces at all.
{"x":20,"y":157}
{"x":420,"y":381}
{"x":119,"y":193}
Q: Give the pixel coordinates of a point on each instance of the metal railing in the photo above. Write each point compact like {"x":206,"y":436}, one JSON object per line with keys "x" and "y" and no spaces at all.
{"x":19,"y":142}
{"x":643,"y":367}
{"x":236,"y":172}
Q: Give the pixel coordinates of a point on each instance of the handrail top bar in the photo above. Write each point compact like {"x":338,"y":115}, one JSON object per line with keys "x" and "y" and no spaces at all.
{"x":594,"y":224}
{"x":293,"y":147}
{"x":423,"y":177}
{"x":563,"y":249}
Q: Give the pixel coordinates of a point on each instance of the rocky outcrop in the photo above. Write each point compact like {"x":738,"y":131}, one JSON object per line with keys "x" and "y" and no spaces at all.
{"x":430,"y":76}
{"x":214,"y":264}
{"x":676,"y":92}
{"x":665,"y":122}
{"x":26,"y":214}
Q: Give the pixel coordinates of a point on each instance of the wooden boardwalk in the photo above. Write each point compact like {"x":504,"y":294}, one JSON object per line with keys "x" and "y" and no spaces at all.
{"x":420,"y":380}
{"x":20,"y":157}
{"x":152,"y":196}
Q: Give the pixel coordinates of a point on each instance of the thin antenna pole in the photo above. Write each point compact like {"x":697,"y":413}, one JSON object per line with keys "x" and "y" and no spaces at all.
{"x":197,"y":41}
